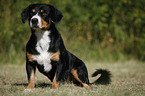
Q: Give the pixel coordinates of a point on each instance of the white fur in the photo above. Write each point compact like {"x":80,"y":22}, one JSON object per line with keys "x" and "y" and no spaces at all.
{"x":42,"y":47}
{"x":39,"y":20}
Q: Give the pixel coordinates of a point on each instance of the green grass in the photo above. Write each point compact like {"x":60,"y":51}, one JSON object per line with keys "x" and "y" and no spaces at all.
{"x":128,"y":79}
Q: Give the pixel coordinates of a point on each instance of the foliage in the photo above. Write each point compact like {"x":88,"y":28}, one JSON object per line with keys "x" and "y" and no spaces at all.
{"x":112,"y":25}
{"x":107,"y":28}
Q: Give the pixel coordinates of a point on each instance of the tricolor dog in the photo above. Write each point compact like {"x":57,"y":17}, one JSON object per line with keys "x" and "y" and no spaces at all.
{"x":46,"y":51}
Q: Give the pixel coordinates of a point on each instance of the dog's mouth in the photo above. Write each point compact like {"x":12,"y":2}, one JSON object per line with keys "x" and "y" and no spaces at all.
{"x":38,"y":28}
{"x":43,"y":28}
{"x":42,"y":25}
{"x":35,"y":27}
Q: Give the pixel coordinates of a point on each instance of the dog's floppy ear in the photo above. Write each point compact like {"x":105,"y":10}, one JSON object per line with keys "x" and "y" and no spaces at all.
{"x":25,"y":14}
{"x":55,"y":14}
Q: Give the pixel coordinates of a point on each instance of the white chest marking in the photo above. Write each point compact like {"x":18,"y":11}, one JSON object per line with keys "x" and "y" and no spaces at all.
{"x":42,"y":47}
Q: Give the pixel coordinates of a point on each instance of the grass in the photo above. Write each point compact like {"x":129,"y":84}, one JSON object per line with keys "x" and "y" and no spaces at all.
{"x":128,"y":79}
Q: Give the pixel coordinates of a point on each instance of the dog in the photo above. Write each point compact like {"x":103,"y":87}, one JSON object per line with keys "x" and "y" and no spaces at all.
{"x":46,"y":51}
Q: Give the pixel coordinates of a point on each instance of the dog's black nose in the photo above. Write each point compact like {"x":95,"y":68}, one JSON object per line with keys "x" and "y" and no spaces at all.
{"x":34,"y":20}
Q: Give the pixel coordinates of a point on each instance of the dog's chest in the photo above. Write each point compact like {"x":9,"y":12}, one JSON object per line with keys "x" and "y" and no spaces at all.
{"x":42,"y":46}
{"x":43,"y":41}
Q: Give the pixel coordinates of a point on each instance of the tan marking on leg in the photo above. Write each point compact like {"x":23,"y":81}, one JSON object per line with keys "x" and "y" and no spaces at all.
{"x":55,"y":84}
{"x":75,"y":74}
{"x":55,"y":56}
{"x":30,"y":57}
{"x":45,"y":24}
{"x":31,"y":81}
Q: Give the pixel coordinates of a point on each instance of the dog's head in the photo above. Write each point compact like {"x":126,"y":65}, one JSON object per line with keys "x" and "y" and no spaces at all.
{"x":40,"y":16}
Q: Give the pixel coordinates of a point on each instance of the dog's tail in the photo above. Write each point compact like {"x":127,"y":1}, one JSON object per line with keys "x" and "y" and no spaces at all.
{"x":103,"y":76}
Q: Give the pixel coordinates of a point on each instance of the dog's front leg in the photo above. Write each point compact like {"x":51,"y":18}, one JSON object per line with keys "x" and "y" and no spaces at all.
{"x":57,"y":77}
{"x":30,"y":68}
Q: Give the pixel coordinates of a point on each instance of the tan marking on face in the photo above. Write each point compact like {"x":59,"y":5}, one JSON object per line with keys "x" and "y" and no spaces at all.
{"x":44,"y":24}
{"x":33,"y":10}
{"x":55,"y":56}
{"x":55,"y":84}
{"x":29,"y":56}
{"x":31,"y":82}
{"x":42,"y":10}
{"x":75,"y":74}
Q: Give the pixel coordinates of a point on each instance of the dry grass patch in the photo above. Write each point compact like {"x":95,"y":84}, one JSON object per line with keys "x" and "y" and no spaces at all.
{"x":128,"y":79}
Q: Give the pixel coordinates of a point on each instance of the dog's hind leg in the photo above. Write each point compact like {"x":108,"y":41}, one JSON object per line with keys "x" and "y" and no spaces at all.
{"x":75,"y":75}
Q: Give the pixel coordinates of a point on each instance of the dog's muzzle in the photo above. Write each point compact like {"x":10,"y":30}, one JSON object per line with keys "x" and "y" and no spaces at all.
{"x":34,"y":23}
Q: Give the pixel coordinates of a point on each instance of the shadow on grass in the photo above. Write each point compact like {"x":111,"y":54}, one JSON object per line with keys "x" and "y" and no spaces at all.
{"x":39,"y":85}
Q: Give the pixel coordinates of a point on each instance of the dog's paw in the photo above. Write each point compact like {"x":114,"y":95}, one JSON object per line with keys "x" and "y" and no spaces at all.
{"x":27,"y":90}
{"x":86,"y":85}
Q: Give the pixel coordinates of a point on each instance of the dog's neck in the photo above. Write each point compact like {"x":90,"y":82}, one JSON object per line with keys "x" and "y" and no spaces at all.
{"x":38,"y":33}
{"x":41,"y":34}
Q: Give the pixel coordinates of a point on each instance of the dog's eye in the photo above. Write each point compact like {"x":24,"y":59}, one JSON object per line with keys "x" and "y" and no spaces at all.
{"x":43,"y":12}
{"x":32,"y":12}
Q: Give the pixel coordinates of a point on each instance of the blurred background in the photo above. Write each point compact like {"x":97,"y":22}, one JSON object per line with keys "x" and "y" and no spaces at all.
{"x":98,"y":30}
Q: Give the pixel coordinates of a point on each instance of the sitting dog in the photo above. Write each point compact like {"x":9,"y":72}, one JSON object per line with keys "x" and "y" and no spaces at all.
{"x":46,"y":51}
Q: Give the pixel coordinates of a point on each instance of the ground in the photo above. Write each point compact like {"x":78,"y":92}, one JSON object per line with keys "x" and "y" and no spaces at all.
{"x":128,"y":79}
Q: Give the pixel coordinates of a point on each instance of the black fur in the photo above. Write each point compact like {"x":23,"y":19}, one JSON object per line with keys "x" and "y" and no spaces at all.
{"x":67,"y":61}
{"x":104,"y":78}
{"x":55,"y":15}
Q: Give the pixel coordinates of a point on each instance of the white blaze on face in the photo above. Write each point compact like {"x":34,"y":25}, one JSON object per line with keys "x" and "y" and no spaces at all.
{"x":39,"y":20}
